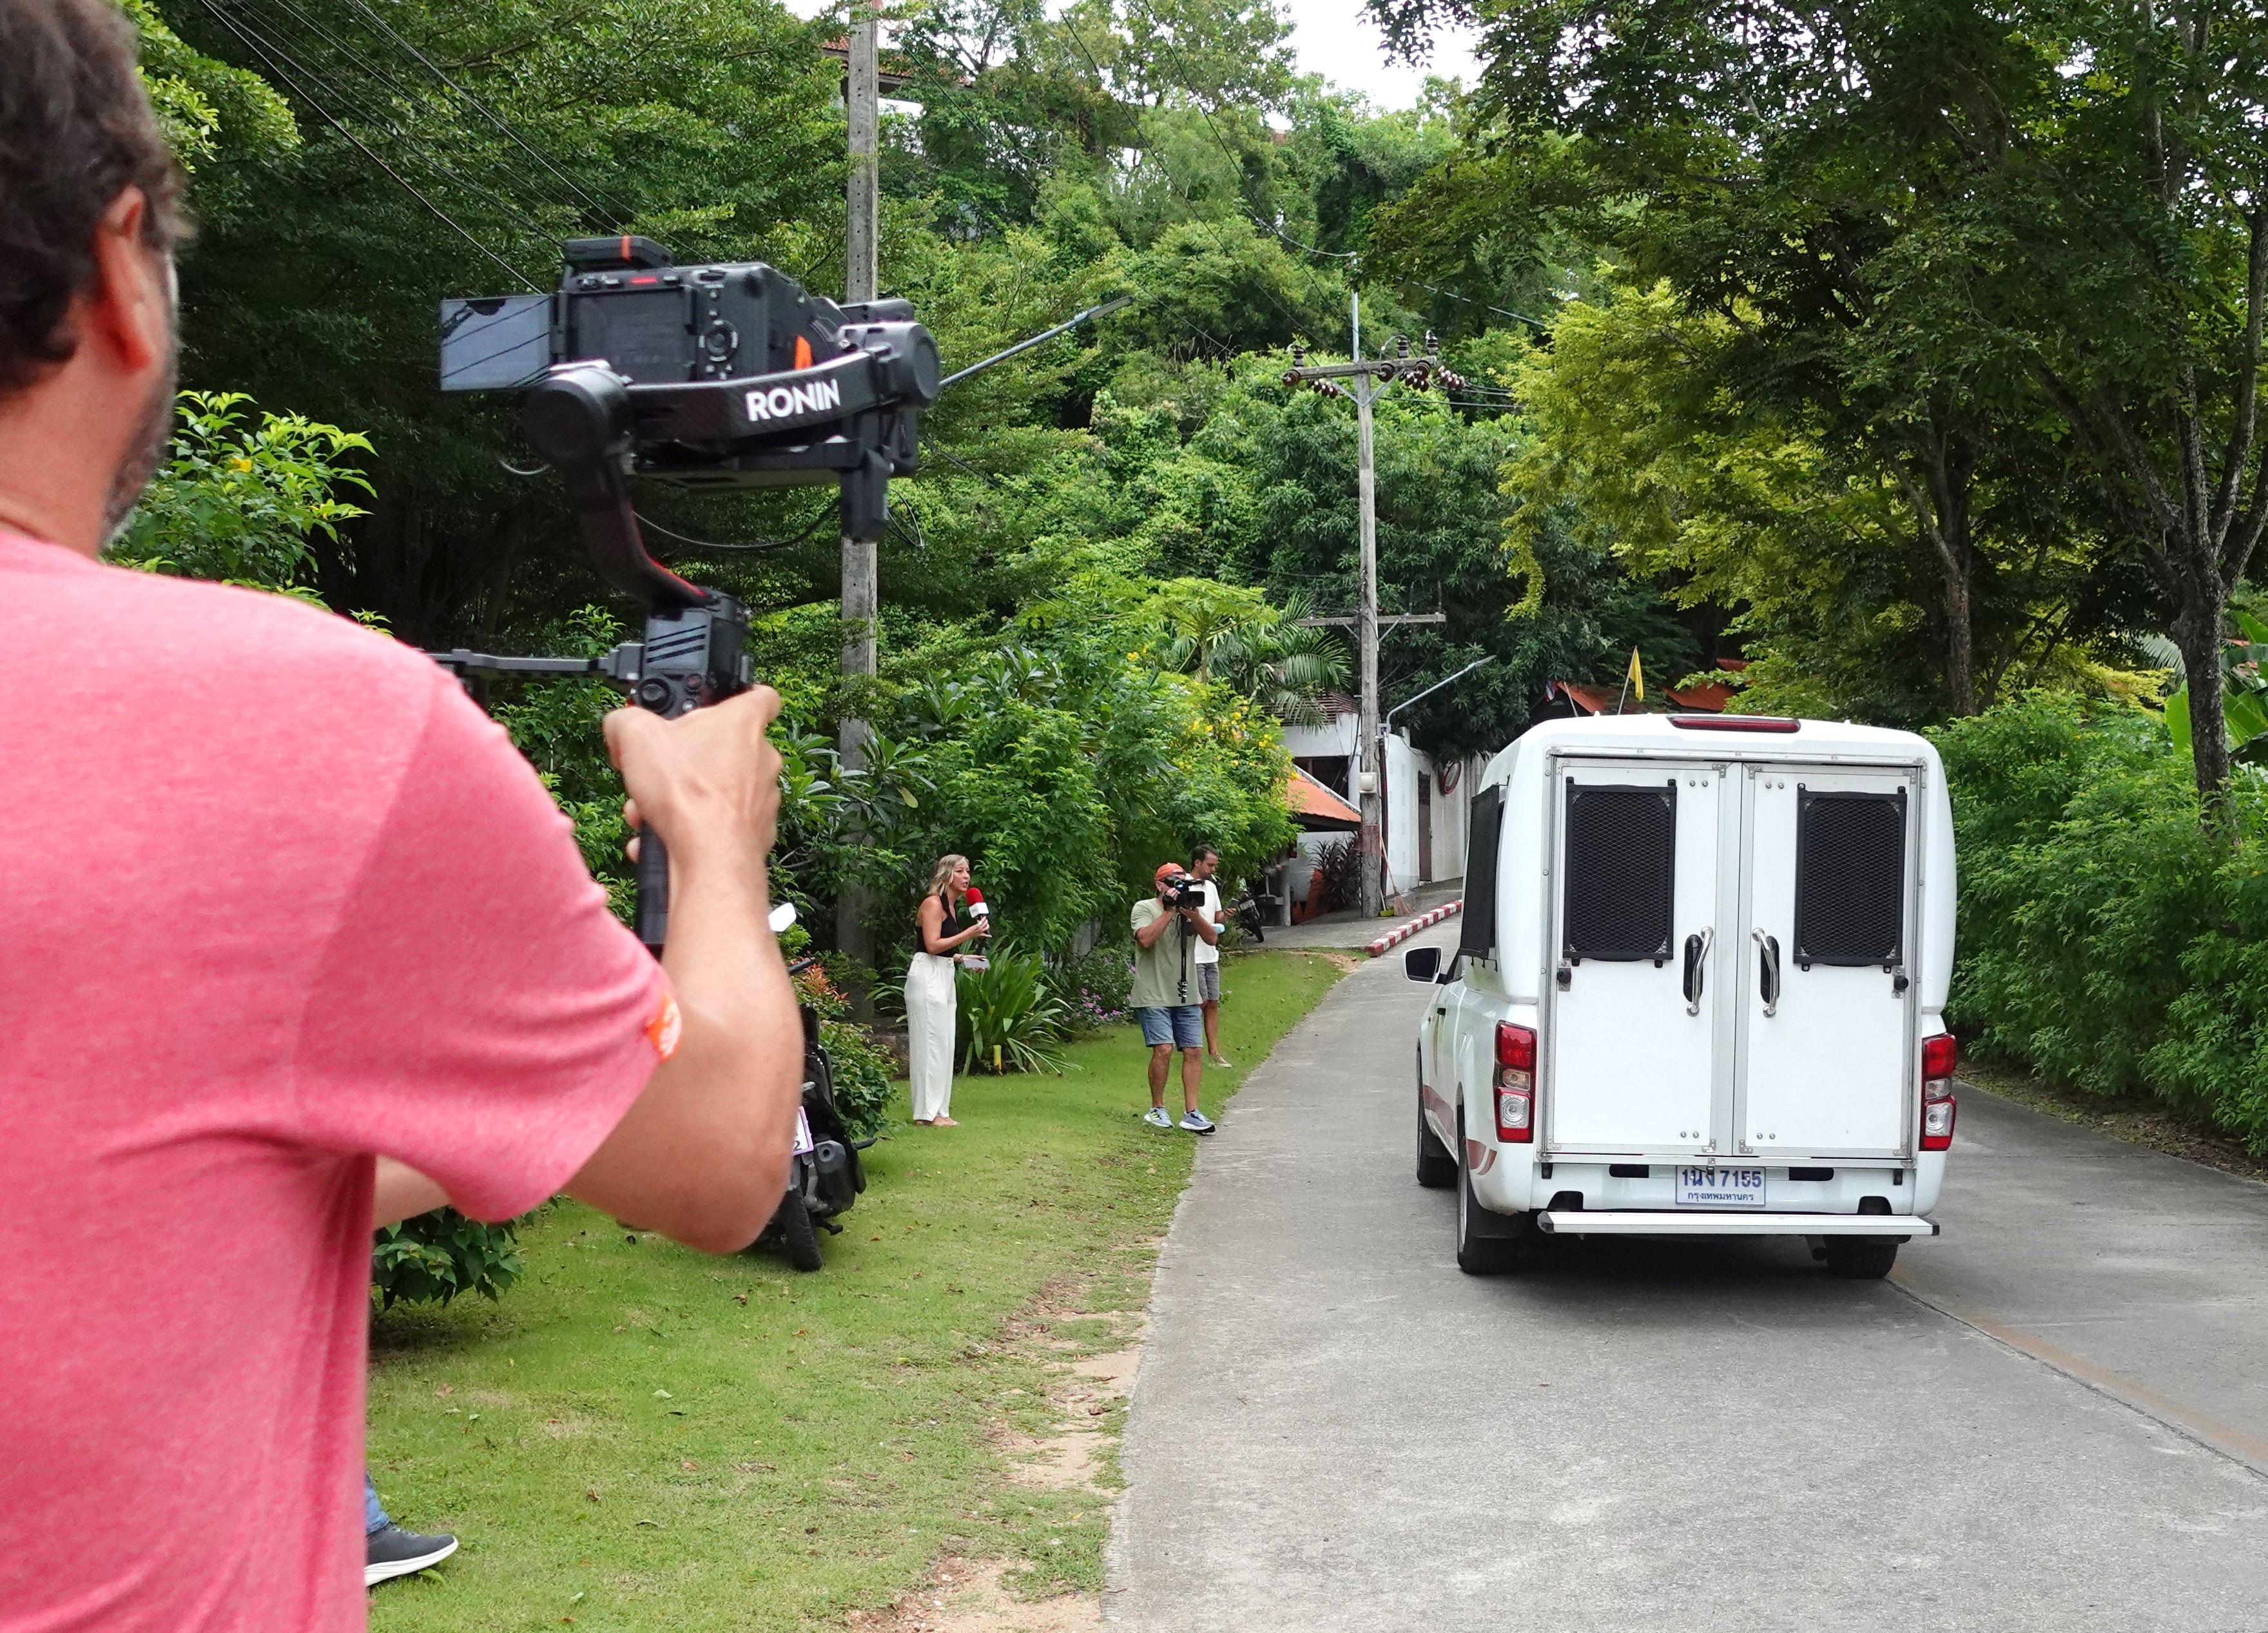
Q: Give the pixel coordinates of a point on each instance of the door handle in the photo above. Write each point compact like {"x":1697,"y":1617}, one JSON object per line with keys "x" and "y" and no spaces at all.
{"x":1767,"y":971}
{"x":1696,"y":967}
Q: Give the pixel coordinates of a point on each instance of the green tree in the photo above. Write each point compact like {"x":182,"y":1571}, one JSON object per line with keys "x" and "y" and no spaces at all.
{"x":1960,"y":228}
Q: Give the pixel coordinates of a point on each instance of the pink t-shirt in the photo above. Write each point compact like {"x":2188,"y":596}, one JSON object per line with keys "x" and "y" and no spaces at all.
{"x":275,"y":896}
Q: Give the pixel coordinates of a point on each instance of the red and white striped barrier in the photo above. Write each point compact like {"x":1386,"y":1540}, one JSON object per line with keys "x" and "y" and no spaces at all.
{"x":1402,"y":932}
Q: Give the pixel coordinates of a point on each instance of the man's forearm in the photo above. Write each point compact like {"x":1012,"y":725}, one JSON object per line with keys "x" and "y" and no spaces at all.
{"x":702,"y":1156}
{"x":726,"y":967}
{"x":1149,"y":933}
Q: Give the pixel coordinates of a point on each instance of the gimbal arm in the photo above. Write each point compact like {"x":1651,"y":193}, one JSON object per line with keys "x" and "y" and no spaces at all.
{"x":578,"y":419}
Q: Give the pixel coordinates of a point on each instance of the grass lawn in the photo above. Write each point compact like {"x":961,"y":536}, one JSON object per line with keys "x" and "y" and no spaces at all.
{"x":639,"y":1436}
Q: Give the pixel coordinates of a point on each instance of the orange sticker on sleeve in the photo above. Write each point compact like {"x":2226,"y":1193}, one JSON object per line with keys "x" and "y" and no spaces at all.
{"x":666,"y":1027}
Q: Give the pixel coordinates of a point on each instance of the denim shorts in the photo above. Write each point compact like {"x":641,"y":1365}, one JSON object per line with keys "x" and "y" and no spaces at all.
{"x":1182,"y":1024}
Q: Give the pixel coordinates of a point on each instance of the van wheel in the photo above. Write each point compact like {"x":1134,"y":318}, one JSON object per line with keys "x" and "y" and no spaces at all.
{"x":1489,"y":1244}
{"x":1436,"y":1170}
{"x":1861,"y":1258}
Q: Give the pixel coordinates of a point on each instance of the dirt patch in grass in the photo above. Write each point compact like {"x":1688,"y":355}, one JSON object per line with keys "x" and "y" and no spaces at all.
{"x":965,"y":1597}
{"x":2131,"y":1118}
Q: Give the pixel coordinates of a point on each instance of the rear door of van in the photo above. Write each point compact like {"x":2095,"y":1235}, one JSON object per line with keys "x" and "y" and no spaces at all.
{"x":1828,"y":1009}
{"x":1640,"y":853}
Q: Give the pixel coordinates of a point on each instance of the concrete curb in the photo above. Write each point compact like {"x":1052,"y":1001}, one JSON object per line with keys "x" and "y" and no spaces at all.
{"x":1402,"y":932}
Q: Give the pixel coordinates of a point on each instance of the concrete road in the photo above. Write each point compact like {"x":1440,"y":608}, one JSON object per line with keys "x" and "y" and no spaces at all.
{"x":2055,"y":1417}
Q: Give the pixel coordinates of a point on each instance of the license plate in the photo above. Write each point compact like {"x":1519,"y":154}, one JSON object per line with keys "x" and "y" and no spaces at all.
{"x":1720,"y":1187}
{"x":802,"y":1133}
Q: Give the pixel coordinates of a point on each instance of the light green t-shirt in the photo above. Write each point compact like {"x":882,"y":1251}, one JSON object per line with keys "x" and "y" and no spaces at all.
{"x":1165,"y":974}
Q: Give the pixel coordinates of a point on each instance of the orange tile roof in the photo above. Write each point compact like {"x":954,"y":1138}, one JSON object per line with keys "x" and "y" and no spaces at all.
{"x":1709,"y":697}
{"x":1315,"y":806}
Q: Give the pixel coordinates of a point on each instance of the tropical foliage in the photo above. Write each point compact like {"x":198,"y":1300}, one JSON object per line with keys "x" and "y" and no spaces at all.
{"x":1010,"y":1019}
{"x":431,"y":1259}
{"x":2106,"y":940}
{"x":244,"y":497}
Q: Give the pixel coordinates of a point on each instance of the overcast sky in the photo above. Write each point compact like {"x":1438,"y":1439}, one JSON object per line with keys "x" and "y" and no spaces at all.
{"x":1335,"y":39}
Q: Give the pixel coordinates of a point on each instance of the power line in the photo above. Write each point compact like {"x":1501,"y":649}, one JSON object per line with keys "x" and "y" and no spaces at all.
{"x":511,"y":207}
{"x":362,"y":61}
{"x":598,"y":204}
{"x":1468,"y":300}
{"x":1235,"y":164}
{"x":647,"y":524}
{"x":229,"y":23}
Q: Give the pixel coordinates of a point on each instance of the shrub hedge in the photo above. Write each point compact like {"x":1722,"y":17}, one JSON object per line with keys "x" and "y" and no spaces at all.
{"x":2106,"y":940}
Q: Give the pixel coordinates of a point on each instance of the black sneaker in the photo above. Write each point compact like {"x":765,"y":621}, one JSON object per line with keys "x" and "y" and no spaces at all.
{"x":390,"y":1551}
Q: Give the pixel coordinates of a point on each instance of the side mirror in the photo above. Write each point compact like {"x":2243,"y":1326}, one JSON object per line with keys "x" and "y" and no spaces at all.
{"x":1422,"y":964}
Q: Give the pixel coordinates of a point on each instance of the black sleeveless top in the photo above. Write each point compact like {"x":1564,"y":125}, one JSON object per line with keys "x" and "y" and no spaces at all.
{"x":949,"y":927}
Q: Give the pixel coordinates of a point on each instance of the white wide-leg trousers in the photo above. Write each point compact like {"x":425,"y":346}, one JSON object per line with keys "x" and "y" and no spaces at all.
{"x":929,"y":1034}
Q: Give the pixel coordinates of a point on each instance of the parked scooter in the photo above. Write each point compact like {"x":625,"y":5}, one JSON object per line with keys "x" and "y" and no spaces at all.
{"x":824,"y":1174}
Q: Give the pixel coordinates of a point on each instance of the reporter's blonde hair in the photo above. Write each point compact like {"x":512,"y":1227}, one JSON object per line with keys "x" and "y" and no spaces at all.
{"x":941,"y":875}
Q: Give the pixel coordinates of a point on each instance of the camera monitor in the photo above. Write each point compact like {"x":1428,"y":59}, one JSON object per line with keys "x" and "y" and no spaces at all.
{"x":495,"y":342}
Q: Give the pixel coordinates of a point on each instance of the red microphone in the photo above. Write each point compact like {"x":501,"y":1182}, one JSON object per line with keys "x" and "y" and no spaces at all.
{"x":974,"y":897}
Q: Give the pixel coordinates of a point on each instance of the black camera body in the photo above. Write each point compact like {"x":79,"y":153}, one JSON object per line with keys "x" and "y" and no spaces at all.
{"x":1179,"y":890}
{"x":732,"y":375}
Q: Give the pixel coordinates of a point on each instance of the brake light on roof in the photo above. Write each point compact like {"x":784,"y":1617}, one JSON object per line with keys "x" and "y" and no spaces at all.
{"x":1941,"y":1058}
{"x":1515,"y":1084}
{"x":1734,"y":722}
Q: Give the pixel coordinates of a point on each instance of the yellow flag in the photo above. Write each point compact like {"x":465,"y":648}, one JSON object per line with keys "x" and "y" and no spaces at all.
{"x":1637,"y":677}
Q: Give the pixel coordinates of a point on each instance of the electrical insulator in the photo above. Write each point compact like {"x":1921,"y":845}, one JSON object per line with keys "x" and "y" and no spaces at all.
{"x":1290,"y":377}
{"x":1432,"y":346}
{"x":1402,"y":345}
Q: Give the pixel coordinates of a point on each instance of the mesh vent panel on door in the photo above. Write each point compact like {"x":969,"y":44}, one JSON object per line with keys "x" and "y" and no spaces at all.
{"x":1850,"y":878}
{"x":1622,"y":870}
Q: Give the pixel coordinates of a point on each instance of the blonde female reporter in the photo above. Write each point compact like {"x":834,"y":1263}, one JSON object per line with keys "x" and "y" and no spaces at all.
{"x":929,"y":991}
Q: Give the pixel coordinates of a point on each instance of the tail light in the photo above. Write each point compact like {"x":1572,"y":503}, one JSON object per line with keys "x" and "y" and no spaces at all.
{"x":1515,"y":1084}
{"x":1940,"y":1057}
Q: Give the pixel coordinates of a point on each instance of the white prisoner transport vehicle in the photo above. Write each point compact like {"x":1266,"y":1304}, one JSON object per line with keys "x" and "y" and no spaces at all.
{"x":1698,"y":990}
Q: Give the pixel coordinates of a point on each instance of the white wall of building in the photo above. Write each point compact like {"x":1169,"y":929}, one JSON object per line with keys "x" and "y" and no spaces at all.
{"x":1404,"y":766}
{"x":1336,"y":737}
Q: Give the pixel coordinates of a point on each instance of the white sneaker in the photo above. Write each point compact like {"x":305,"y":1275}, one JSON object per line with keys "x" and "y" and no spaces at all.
{"x":1157,"y":1117}
{"x":1196,"y":1122}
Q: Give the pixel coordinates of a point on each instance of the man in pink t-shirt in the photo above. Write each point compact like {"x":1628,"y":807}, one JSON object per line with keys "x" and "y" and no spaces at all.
{"x":280,"y":900}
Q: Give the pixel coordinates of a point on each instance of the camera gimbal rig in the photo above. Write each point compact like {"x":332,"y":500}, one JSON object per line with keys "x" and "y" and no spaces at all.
{"x":846,"y":409}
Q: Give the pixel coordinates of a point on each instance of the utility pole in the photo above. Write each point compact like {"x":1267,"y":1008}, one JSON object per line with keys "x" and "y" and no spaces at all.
{"x":1372,"y":781}
{"x":1364,"y":381}
{"x":861,"y":572}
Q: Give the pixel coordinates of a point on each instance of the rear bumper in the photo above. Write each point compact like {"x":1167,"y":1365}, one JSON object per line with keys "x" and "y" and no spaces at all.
{"x":1650,"y":1222}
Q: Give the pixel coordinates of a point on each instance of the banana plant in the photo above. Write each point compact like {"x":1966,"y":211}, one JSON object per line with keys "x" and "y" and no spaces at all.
{"x":2244,"y":689}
